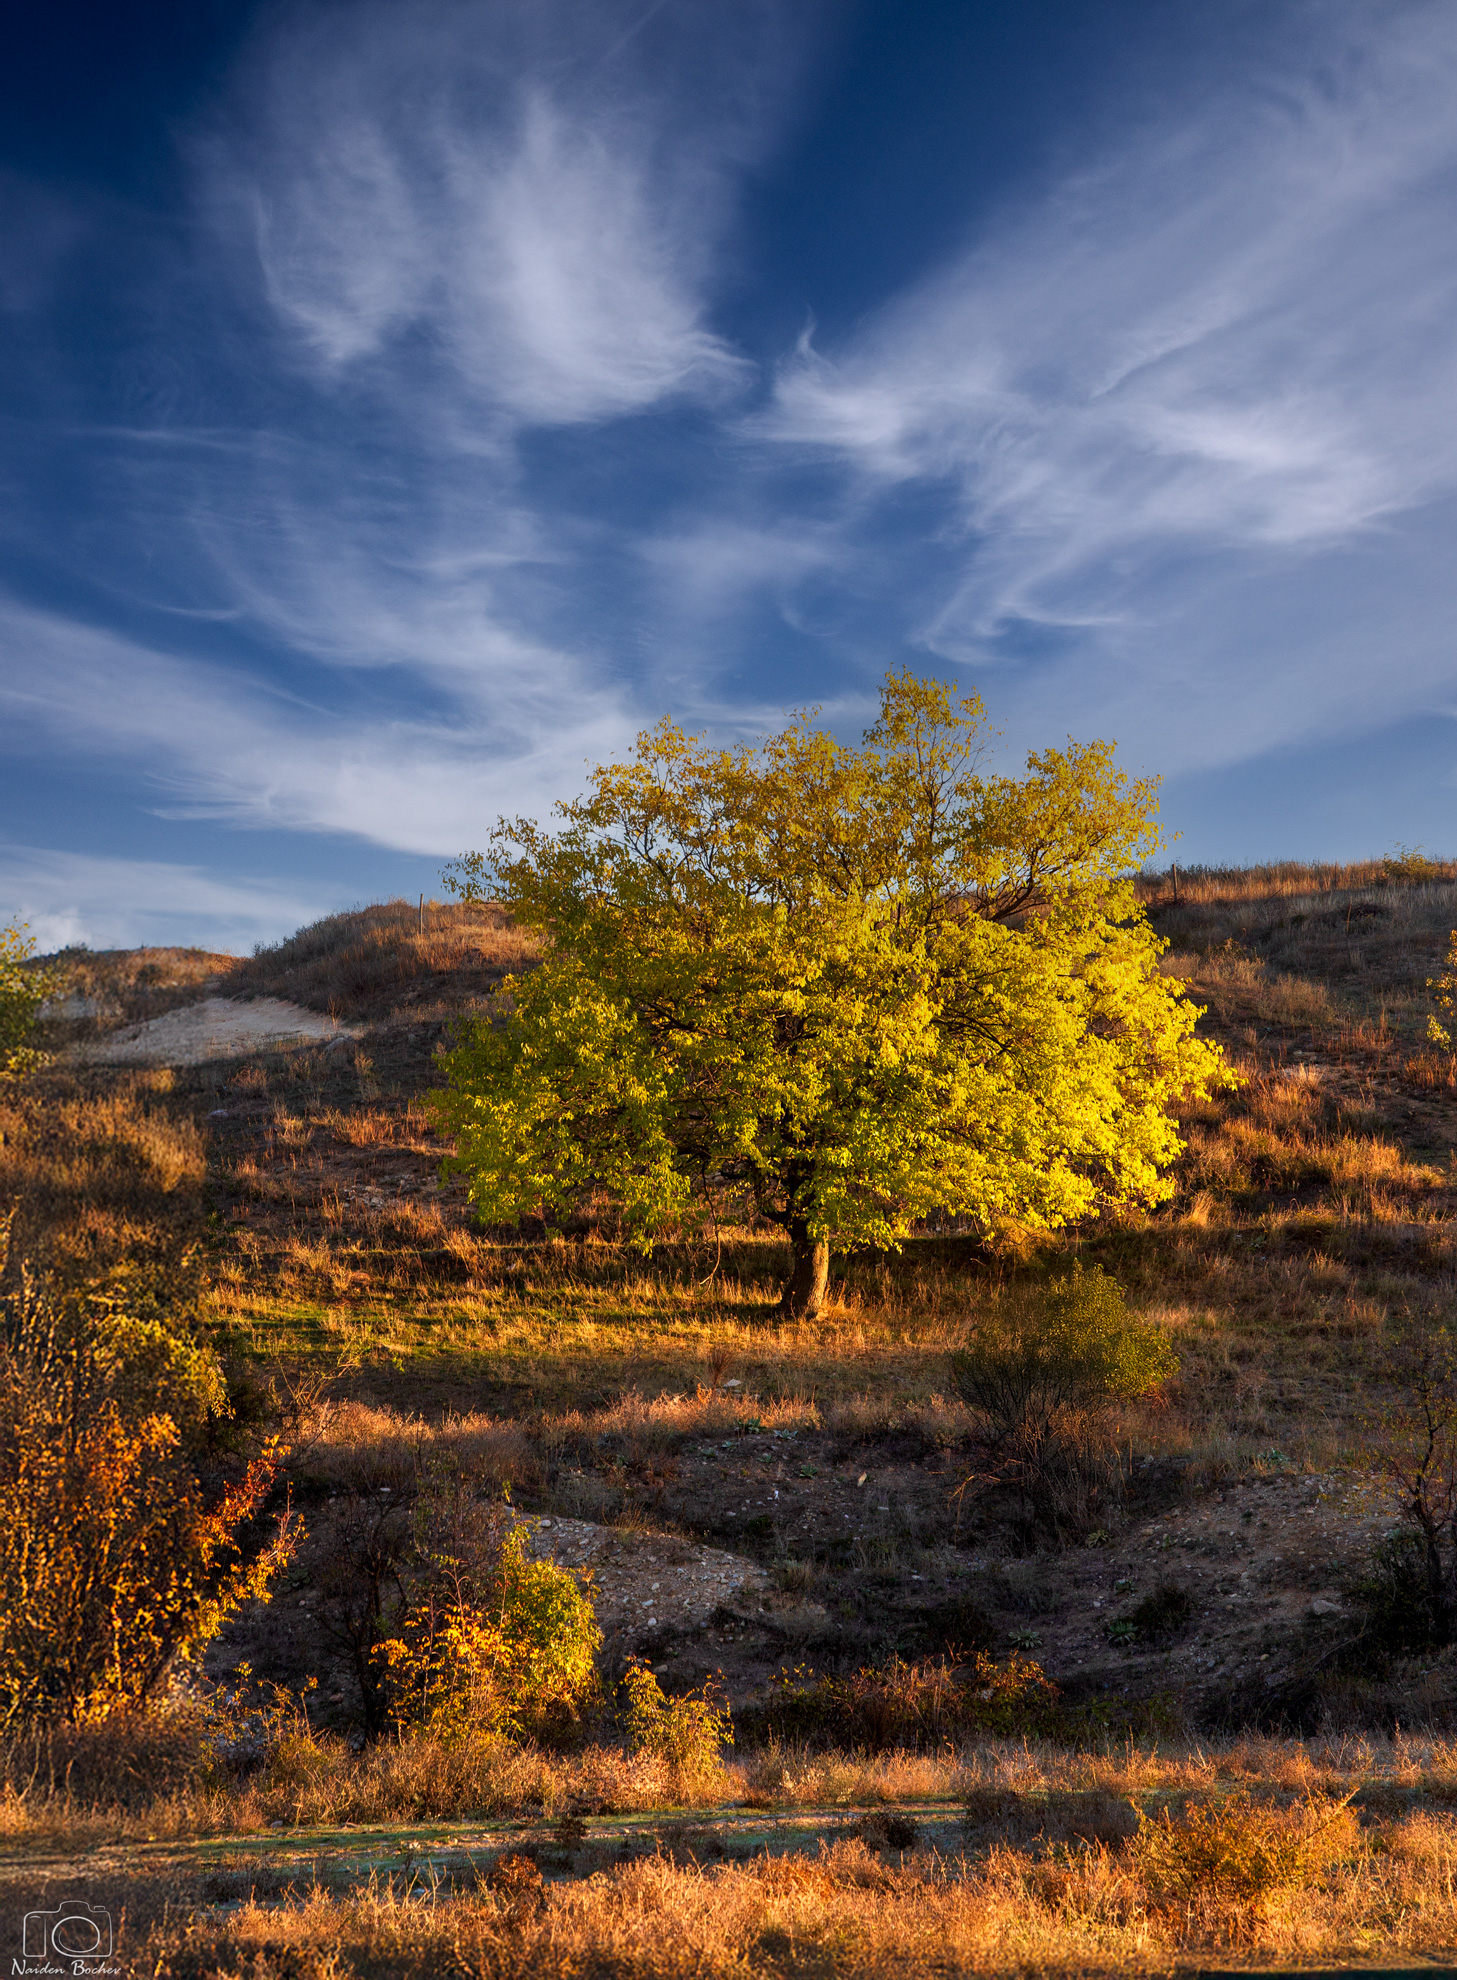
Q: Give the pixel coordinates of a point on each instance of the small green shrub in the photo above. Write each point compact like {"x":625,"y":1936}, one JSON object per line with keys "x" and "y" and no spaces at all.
{"x":1162,"y":1614}
{"x":489,"y":1643}
{"x":688,"y":1732}
{"x":1412,"y":866}
{"x":1044,"y":1376}
{"x":22,"y":992}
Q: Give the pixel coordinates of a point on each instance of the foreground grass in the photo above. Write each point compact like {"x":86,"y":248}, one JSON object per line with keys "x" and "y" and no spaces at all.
{"x":1015,"y":1858}
{"x":845,"y":1912}
{"x":83,"y":1789}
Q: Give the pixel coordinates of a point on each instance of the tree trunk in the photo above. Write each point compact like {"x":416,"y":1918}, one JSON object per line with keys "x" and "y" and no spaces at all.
{"x":804,"y":1291}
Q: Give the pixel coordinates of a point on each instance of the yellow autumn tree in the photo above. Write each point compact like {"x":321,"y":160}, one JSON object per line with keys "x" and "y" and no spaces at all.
{"x":869,"y":985}
{"x":23,"y":990}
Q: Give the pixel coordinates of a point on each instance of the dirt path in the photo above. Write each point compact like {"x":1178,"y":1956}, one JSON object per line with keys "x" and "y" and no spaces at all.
{"x":347,"y":1857}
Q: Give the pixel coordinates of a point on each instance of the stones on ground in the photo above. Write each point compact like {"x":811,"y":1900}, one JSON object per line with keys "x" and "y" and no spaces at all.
{"x":646,"y":1583}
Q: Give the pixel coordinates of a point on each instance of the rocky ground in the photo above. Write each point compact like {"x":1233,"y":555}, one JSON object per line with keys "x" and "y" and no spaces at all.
{"x":834,"y":1557}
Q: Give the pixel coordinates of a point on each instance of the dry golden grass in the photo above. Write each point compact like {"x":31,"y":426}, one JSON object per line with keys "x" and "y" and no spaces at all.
{"x":1287,"y":878}
{"x":100,"y":1168}
{"x":1303,"y":957}
{"x":151,"y":1778}
{"x":1300,"y":1200}
{"x":375,"y":960}
{"x":1313,"y":1212}
{"x":1305,"y":1214}
{"x":846,"y":1911}
{"x":1287,"y":1851}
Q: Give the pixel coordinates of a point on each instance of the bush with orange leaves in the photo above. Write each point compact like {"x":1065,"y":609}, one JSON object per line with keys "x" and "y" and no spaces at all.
{"x":116,"y":1564}
{"x":489,"y":1643}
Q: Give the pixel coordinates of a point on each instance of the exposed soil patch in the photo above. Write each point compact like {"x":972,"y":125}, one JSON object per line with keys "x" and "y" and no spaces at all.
{"x":646,"y":1584}
{"x":1264,"y":1565}
{"x":217,"y":1028}
{"x":1232,"y":1591}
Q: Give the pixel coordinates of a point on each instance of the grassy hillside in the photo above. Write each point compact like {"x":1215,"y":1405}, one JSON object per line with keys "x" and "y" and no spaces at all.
{"x":663,"y":1404}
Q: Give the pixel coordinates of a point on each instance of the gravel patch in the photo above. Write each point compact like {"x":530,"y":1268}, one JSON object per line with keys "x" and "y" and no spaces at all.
{"x":646,"y":1583}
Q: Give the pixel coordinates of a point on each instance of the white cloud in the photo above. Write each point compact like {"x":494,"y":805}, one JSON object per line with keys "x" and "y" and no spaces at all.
{"x":68,"y":898}
{"x":709,"y":567}
{"x":1187,"y":383}
{"x":1166,"y":452}
{"x":217,"y":745}
{"x":469,"y":219}
{"x":508,"y":189}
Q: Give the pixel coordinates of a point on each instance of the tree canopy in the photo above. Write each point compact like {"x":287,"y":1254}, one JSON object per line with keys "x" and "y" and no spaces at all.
{"x":868,"y":986}
{"x":22,"y":992}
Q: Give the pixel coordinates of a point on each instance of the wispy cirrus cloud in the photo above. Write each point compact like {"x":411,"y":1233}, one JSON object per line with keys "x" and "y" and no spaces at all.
{"x":214,"y":744}
{"x":324,"y":593}
{"x":526,"y":199}
{"x":65,"y":898}
{"x":430,"y":234}
{"x":421,"y":459}
{"x":1180,"y":387}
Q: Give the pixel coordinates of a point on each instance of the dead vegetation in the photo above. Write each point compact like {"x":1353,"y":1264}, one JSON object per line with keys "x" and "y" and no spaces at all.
{"x":430,"y":960}
{"x":101,"y":1171}
{"x":132,"y":984}
{"x":1014,"y":1856}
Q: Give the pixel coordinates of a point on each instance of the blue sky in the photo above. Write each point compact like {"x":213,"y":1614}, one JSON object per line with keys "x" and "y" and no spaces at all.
{"x":403,"y":403}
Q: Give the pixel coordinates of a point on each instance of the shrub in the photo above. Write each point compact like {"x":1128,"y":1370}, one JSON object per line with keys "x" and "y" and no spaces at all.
{"x":363,"y":1595}
{"x":22,"y":992}
{"x":1411,"y":866}
{"x":1445,"y":986}
{"x":116,"y":1563}
{"x":1394,"y":1601}
{"x":687,"y":1732}
{"x":911,"y":1704}
{"x":1414,"y":1584}
{"x":1044,"y":1376}
{"x":1161,"y":1614}
{"x":1233,"y":1852}
{"x":489,"y":1642}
